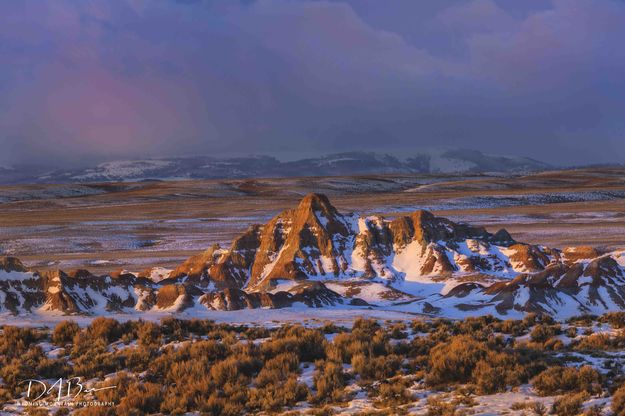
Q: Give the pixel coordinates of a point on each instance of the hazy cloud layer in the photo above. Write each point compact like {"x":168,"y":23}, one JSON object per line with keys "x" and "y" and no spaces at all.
{"x":90,"y":80}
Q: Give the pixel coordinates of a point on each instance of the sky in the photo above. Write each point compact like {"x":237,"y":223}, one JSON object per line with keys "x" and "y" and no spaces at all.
{"x":84,"y":81}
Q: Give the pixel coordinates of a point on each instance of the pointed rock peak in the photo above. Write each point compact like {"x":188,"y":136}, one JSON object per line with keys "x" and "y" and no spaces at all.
{"x":423,"y":215}
{"x":11,"y":264}
{"x":503,"y":237}
{"x":316,"y":203}
{"x":317,"y":209}
{"x":55,"y":275}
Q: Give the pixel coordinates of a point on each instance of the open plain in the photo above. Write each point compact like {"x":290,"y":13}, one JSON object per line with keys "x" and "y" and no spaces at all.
{"x":135,"y":226}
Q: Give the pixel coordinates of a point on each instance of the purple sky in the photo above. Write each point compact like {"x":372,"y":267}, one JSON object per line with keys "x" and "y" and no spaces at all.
{"x":94,"y":80}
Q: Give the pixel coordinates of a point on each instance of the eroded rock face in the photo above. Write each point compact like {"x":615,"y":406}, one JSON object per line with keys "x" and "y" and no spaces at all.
{"x":311,"y":294}
{"x":76,"y":292}
{"x":308,"y":240}
{"x":314,"y":256}
{"x":11,"y":264}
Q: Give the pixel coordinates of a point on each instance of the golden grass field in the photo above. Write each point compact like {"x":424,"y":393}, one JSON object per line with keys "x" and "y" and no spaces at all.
{"x":133,"y":226}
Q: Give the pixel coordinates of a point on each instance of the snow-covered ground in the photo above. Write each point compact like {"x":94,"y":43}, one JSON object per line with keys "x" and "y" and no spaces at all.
{"x":344,"y":316}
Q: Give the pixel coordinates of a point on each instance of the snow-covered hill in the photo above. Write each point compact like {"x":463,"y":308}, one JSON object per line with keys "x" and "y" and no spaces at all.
{"x":204,"y":167}
{"x":313,"y":255}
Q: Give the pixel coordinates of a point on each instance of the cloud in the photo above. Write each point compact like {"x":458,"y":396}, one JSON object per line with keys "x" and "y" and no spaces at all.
{"x":84,"y":81}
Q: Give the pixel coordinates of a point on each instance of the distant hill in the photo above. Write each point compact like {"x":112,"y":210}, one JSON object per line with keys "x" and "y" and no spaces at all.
{"x":206,"y":167}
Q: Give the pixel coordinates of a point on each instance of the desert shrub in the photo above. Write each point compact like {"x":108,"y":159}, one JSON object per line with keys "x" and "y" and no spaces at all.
{"x":226,"y":371}
{"x":530,"y":320}
{"x":273,"y":397}
{"x":199,"y":381}
{"x":137,"y":360}
{"x":141,"y":398}
{"x":369,"y":326}
{"x":529,"y":405}
{"x":257,"y":332}
{"x":569,"y":405}
{"x":64,"y":332}
{"x":594,"y":410}
{"x":309,"y":344}
{"x":33,"y":363}
{"x":214,"y":369}
{"x":278,"y":369}
{"x":512,"y":327}
{"x":557,"y":380}
{"x":329,"y":381}
{"x":368,"y":340}
{"x":478,"y":326}
{"x":91,"y":357}
{"x":618,"y":401}
{"x":454,"y":362}
{"x":122,"y":381}
{"x":376,"y":368}
{"x":419,"y":326}
{"x":487,"y":365}
{"x":398,"y":331}
{"x":598,"y":341}
{"x":539,"y":409}
{"x":15,"y":341}
{"x":542,"y":332}
{"x":105,"y":328}
{"x":553,"y":344}
{"x":174,"y":329}
{"x":496,"y":371}
{"x":615,"y":319}
{"x":394,"y":392}
{"x":438,"y":407}
{"x":148,"y":334}
{"x":330,"y":327}
{"x":571,"y":332}
{"x":13,"y":373}
{"x":582,"y":320}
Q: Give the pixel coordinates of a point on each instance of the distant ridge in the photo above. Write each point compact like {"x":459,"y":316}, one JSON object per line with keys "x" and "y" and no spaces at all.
{"x":337,"y":164}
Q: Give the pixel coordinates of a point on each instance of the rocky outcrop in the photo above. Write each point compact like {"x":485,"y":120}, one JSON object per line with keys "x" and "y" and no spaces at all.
{"x":314,"y":256}
{"x":11,"y":264}
{"x":308,"y":240}
{"x":311,"y":294}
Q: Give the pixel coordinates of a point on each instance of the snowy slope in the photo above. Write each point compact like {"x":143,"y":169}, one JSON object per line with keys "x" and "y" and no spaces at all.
{"x":205,"y":167}
{"x":314,"y":256}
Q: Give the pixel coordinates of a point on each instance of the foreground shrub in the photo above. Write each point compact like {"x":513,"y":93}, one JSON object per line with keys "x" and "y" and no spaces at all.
{"x":64,"y":332}
{"x":273,"y":397}
{"x":454,"y":362}
{"x":107,"y":329}
{"x":15,"y":341}
{"x":465,"y":360}
{"x":141,"y":398}
{"x":496,"y":371}
{"x":541,"y":333}
{"x":569,"y":405}
{"x":329,"y":381}
{"x":558,"y":380}
{"x":618,"y":401}
{"x":439,"y":407}
{"x":394,"y":392}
